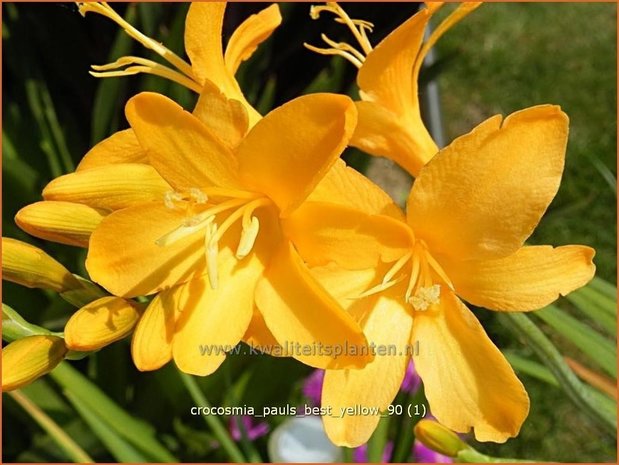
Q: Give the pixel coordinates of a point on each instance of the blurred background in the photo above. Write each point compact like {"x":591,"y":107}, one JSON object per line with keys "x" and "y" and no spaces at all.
{"x":502,"y":58}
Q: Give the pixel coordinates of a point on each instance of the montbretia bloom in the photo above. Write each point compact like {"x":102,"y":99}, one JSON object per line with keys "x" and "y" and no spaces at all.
{"x":468,"y":215}
{"x":390,"y":123}
{"x":201,"y":226}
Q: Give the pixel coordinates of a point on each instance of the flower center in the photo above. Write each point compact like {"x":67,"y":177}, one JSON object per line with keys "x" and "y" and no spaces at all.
{"x":201,"y":206}
{"x":358,"y":27}
{"x":424,"y":274}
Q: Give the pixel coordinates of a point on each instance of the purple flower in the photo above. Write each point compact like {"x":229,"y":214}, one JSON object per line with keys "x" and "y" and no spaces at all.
{"x":312,"y":387}
{"x":411,"y":379}
{"x":360,"y":454}
{"x":422,"y":454}
{"x":253,"y":430}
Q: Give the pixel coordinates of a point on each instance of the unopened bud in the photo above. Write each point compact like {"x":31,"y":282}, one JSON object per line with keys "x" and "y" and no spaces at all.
{"x":100,"y":323}
{"x":29,"y":358}
{"x":440,"y":439}
{"x":31,"y":267}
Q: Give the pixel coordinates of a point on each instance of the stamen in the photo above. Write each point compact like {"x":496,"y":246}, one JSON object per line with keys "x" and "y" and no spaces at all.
{"x":104,"y":9}
{"x":142,"y":65}
{"x":344,"y":47}
{"x":416,"y":266}
{"x":211,"y":246}
{"x":380,"y":288}
{"x":333,"y":51}
{"x":425,"y":297}
{"x":230,"y":193}
{"x":434,"y":265}
{"x":248,"y":238}
{"x":170,"y":197}
{"x":234,"y":216}
{"x":357,"y":27}
{"x":197,"y":195}
{"x":186,"y":229}
{"x":396,"y":267}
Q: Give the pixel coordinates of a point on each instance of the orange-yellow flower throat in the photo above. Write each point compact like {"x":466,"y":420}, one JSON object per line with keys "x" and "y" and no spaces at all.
{"x":200,"y":215}
{"x":424,"y":274}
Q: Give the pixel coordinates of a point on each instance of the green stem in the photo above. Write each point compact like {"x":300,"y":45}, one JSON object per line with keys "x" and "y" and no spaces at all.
{"x":213,"y":422}
{"x":378,"y":441}
{"x":551,"y":357}
{"x":64,"y":441}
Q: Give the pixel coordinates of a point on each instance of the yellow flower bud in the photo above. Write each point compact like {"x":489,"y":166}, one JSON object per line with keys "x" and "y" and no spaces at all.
{"x":29,"y":358}
{"x":31,"y":267}
{"x":440,"y":439}
{"x":100,"y":323}
{"x":65,"y":222}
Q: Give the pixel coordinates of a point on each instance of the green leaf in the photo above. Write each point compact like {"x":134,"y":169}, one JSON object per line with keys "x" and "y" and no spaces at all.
{"x":118,"y":447}
{"x":600,"y":350}
{"x":539,"y":371}
{"x":598,"y":301}
{"x":137,"y":432}
{"x":72,"y":450}
{"x":520,"y":324}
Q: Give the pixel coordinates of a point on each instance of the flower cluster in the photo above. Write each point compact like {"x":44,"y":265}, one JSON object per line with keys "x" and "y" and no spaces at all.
{"x":220,"y":225}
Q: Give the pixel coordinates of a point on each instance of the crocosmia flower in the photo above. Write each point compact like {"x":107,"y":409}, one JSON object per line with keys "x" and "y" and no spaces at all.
{"x":468,"y":215}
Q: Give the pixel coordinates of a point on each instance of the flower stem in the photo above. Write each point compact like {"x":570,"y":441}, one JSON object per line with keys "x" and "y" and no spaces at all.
{"x":213,"y":422}
{"x":64,"y":441}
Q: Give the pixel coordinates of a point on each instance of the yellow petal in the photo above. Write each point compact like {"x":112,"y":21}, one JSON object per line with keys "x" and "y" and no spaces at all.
{"x":386,"y":78}
{"x":109,"y":187}
{"x":375,"y":386}
{"x":251,"y":33}
{"x":151,"y":345}
{"x":100,"y":323}
{"x":324,"y":233}
{"x":29,"y":358}
{"x":386,"y":75}
{"x":260,"y":338}
{"x":291,"y":149}
{"x":343,"y":185}
{"x":63,"y":222}
{"x":31,"y":267}
{"x":383,"y":133}
{"x":483,"y":195}
{"x":178,"y":145}
{"x":124,"y":258}
{"x":530,"y":279}
{"x":225,"y":118}
{"x":345,"y":286}
{"x":214,"y":321}
{"x":295,"y":308}
{"x":467,"y":381}
{"x":203,"y":44}
{"x":120,"y":147}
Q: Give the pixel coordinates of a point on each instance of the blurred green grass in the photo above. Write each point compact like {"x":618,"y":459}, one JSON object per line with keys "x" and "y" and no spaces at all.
{"x":505,"y":57}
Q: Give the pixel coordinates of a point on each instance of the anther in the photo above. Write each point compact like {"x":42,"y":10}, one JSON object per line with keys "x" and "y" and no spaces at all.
{"x":248,"y":238}
{"x":425,"y":297}
{"x":197,"y":195}
{"x":170,"y":197}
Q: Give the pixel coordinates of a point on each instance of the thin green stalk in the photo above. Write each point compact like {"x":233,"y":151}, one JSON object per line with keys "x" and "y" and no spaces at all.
{"x":64,"y":441}
{"x":213,"y":422}
{"x":406,"y":437}
{"x":551,"y":357}
{"x":378,"y":441}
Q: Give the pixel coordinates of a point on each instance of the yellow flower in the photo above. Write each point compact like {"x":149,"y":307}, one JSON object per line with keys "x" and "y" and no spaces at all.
{"x":390,"y":122}
{"x":29,"y":358}
{"x":210,"y":66}
{"x":469,"y":213}
{"x":214,"y":245}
